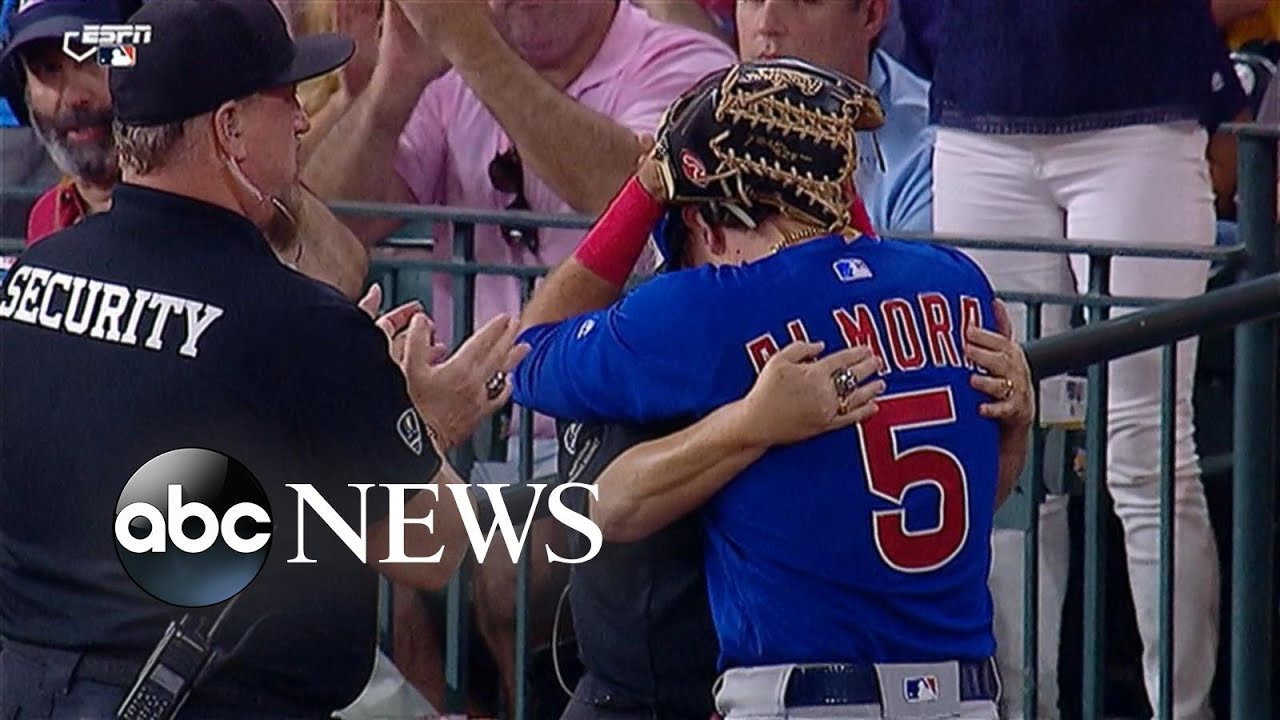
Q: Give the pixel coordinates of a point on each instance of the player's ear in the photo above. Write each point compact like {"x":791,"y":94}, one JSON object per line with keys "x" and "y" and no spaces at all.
{"x":710,"y":235}
{"x":694,"y":226}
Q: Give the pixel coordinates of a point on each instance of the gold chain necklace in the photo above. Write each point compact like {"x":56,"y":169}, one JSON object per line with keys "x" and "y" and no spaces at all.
{"x":795,"y":236}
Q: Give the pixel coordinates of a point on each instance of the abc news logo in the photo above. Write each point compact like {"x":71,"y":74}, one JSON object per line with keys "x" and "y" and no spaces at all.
{"x":193,"y":527}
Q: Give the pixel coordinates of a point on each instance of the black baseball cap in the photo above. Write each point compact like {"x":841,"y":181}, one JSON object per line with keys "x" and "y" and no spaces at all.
{"x":203,"y":53}
{"x":53,"y":19}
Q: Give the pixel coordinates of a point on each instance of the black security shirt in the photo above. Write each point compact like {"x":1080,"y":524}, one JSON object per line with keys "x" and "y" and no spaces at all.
{"x":640,"y":609}
{"x":169,"y":323}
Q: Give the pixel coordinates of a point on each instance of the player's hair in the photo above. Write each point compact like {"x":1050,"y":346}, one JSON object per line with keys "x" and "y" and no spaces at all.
{"x":718,"y":214}
{"x":714,"y":214}
{"x":145,"y":149}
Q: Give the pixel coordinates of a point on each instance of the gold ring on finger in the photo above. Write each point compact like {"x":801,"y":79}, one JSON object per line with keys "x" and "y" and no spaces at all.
{"x":843,"y":408}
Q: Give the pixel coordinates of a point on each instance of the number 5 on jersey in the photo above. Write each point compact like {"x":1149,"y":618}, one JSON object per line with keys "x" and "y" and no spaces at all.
{"x":892,"y":472}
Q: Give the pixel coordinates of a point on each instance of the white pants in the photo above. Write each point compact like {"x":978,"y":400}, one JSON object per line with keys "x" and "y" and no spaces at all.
{"x":1132,"y":184}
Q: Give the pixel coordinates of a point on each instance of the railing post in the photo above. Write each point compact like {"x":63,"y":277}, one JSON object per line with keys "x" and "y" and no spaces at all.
{"x":1168,"y":459}
{"x":1096,"y":509}
{"x":522,"y":709}
{"x":1254,"y":437}
{"x":458,"y":595}
{"x":1034,"y":484}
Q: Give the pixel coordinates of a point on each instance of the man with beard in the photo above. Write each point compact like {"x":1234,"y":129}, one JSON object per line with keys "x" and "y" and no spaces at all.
{"x":69,"y":107}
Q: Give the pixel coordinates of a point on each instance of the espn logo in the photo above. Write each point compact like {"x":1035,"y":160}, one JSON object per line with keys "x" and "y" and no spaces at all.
{"x":114,"y":45}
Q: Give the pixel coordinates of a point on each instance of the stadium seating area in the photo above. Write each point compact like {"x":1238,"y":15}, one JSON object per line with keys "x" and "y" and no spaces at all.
{"x":446,"y":129}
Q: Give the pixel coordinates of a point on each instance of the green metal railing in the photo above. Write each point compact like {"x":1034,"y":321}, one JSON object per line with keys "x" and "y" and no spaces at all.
{"x":1247,"y":305}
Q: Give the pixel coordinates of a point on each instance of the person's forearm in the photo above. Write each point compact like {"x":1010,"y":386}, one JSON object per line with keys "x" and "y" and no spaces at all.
{"x":1226,"y":12}
{"x":582,"y":155}
{"x":656,"y":483}
{"x":330,"y":251}
{"x":1013,"y":458}
{"x":683,"y":12}
{"x":595,"y":275}
{"x":448,"y":536}
{"x":356,"y":160}
{"x":334,"y":109}
{"x":569,"y":290}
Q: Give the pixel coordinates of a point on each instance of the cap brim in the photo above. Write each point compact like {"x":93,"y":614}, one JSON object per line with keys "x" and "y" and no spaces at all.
{"x":53,"y":28}
{"x":316,"y":55}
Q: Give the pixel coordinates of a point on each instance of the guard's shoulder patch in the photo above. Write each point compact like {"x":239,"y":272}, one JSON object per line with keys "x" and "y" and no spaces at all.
{"x":409,"y":428}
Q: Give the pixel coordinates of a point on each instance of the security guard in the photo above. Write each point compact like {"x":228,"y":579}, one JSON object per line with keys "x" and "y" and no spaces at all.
{"x":169,"y":323}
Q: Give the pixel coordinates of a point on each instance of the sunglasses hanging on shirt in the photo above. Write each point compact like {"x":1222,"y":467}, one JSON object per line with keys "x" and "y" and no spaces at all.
{"x":506,"y":174}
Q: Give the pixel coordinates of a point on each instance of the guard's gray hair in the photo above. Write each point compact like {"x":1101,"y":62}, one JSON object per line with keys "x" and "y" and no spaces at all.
{"x":146,"y":148}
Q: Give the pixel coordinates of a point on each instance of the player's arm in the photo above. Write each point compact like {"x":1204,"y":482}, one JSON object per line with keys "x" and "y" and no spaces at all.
{"x":594,"y":276}
{"x":647,"y":357}
{"x":655,"y":483}
{"x":1009,"y":384}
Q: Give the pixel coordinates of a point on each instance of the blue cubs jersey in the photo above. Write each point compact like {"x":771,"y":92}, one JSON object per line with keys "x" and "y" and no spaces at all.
{"x":869,"y":544}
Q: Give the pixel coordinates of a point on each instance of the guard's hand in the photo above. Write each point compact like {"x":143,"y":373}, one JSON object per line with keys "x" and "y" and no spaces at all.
{"x":395,"y":322}
{"x":1009,"y":378}
{"x":455,"y":395}
{"x":797,"y":396}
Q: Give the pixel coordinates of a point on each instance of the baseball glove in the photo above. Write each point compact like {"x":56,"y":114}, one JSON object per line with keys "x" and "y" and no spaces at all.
{"x":777,"y":132}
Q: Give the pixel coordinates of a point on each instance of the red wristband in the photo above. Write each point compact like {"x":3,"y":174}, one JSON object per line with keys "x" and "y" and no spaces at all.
{"x":613,"y":245}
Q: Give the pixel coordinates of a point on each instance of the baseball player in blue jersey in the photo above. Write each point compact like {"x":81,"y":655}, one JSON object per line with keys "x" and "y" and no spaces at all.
{"x":848,"y":569}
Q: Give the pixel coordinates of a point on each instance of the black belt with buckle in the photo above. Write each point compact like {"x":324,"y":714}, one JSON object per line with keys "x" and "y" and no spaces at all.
{"x":859,"y":685}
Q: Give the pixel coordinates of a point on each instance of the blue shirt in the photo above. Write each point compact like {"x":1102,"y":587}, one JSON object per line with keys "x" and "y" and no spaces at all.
{"x":861,"y":545}
{"x":899,"y":198}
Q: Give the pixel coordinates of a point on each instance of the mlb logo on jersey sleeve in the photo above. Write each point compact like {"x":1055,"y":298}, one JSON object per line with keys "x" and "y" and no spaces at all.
{"x":922,"y":688}
{"x":851,"y":269}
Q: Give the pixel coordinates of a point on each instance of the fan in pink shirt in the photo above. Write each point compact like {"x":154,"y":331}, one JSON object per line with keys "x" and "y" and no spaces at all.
{"x":534,"y":104}
{"x":451,"y":141}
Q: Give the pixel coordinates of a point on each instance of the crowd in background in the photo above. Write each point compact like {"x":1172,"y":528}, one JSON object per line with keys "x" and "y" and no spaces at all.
{"x":540,"y":108}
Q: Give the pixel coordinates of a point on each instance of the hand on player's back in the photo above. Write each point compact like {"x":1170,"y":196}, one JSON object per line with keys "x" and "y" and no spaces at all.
{"x":1009,"y":376}
{"x":795,"y":398}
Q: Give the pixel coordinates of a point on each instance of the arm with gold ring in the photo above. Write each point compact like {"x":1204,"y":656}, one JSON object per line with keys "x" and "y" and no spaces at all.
{"x":798,"y":395}
{"x":1009,"y":383}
